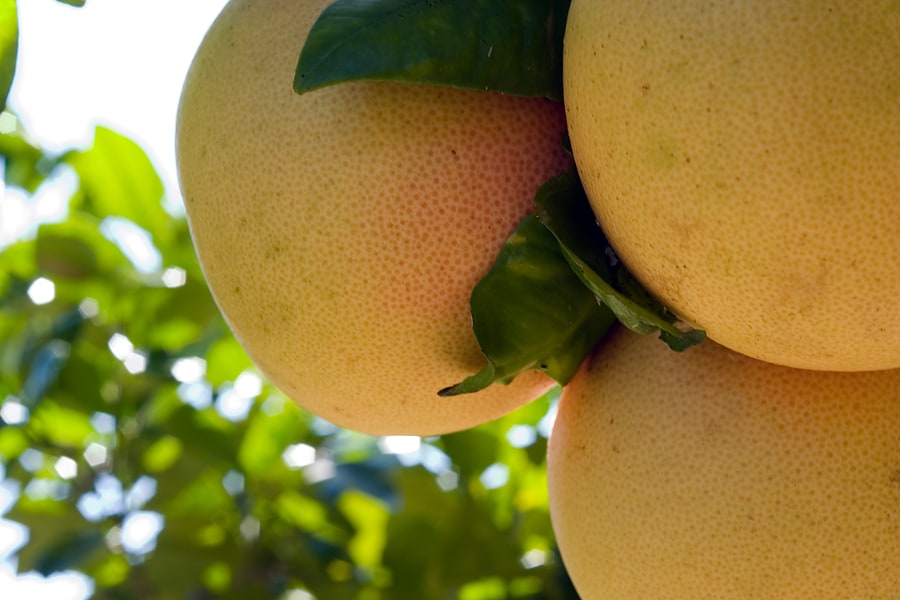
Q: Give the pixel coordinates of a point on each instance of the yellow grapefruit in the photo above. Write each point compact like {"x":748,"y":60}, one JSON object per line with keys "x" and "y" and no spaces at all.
{"x":343,"y":230}
{"x":711,"y":475}
{"x":744,"y":161}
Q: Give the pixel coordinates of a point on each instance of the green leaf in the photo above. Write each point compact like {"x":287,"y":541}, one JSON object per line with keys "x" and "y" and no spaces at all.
{"x":25,"y":165}
{"x":9,"y":46}
{"x":566,"y":212}
{"x":118,"y":180}
{"x":531,"y":312}
{"x":509,"y":46}
{"x":69,"y":551}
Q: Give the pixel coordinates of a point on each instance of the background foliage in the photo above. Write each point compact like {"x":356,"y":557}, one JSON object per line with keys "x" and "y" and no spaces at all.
{"x":144,"y":451}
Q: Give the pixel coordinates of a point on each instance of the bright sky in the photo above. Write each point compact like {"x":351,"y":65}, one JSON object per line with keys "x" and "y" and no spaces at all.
{"x":119,"y":63}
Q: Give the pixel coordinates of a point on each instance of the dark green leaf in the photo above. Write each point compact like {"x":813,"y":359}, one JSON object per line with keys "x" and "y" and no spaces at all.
{"x":531,"y":312}
{"x":69,"y":551}
{"x":566,"y":211}
{"x":9,"y":46}
{"x":509,"y":46}
{"x":78,"y":3}
{"x":25,"y":165}
{"x":46,"y":366}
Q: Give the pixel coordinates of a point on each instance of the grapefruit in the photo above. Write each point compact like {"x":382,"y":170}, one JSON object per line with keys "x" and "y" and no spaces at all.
{"x":743,"y":160}
{"x":711,"y":475}
{"x":342,"y":231}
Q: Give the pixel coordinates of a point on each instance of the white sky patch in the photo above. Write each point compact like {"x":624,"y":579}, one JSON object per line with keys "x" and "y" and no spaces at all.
{"x":495,"y":476}
{"x":174,"y":277}
{"x":141,"y":492}
{"x":198,"y":394}
{"x":400,"y":444}
{"x":120,"y":346}
{"x":89,"y":308}
{"x":135,"y":363}
{"x":103,"y":423}
{"x":248,"y":385}
{"x":134,"y":242}
{"x":66,"y":468}
{"x":42,"y":291}
{"x":13,"y":412}
{"x":139,"y":531}
{"x":521,"y":436}
{"x":298,"y":456}
{"x":233,"y":406}
{"x":534,"y":558}
{"x":545,"y":425}
{"x":233,"y":482}
{"x":113,"y":59}
{"x":96,"y":455}
{"x":31,"y":460}
{"x":189,"y":370}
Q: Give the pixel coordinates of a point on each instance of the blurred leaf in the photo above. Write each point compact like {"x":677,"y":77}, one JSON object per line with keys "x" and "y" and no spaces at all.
{"x":13,"y":442}
{"x":266,"y":439}
{"x":565,"y":210}
{"x":162,"y":454}
{"x":46,"y":366}
{"x":369,"y":518}
{"x":68,"y":257}
{"x":69,"y":551}
{"x":25,"y":165}
{"x":472,"y":450}
{"x":509,"y":46}
{"x":225,"y":360}
{"x":111,"y":571}
{"x":63,"y":427}
{"x":117,"y":179}
{"x":532,"y":312}
{"x":201,"y":434}
{"x":204,"y":497}
{"x":308,"y":515}
{"x":9,"y":45}
{"x":78,"y":3}
{"x":374,"y":477}
{"x":48,"y":522}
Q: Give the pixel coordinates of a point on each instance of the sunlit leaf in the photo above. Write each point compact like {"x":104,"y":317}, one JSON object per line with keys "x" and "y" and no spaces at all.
{"x":117,"y":179}
{"x":162,"y":454}
{"x":13,"y":442}
{"x":369,"y":518}
{"x":63,"y":427}
{"x":509,"y":46}
{"x":308,"y":515}
{"x":9,"y":44}
{"x":266,"y":439}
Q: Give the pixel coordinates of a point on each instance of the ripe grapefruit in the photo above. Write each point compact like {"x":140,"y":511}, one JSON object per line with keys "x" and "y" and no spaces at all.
{"x":708,"y":474}
{"x":343,"y":230}
{"x":743,"y":159}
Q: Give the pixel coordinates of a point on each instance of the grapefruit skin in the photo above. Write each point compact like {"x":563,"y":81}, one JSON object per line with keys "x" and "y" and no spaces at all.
{"x":342,"y":231}
{"x":744,"y":160}
{"x":710,"y":475}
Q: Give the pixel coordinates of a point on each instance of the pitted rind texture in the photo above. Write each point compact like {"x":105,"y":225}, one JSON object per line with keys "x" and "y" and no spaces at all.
{"x":343,"y":230}
{"x":743,"y":159}
{"x":706,"y":475}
